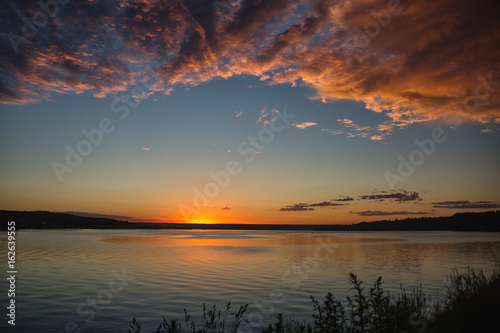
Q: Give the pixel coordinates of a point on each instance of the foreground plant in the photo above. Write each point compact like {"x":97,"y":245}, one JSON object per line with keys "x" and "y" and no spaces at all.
{"x":372,"y":311}
{"x":468,"y":303}
{"x":212,"y":322}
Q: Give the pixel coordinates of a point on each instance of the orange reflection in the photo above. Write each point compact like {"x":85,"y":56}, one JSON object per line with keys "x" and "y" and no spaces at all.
{"x":202,"y":221}
{"x":170,"y":240}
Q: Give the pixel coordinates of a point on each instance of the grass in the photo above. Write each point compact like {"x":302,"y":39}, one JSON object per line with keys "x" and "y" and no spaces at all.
{"x":469,"y":302}
{"x":213,"y":321}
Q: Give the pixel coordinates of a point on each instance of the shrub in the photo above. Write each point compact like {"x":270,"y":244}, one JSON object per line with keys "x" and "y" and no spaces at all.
{"x":468,"y":303}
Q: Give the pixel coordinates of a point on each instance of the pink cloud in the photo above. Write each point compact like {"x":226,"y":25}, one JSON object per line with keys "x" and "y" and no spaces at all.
{"x":427,"y":60}
{"x":305,"y":125}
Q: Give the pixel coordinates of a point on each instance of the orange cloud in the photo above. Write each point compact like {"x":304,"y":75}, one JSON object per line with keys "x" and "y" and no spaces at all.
{"x":413,"y":61}
{"x":305,"y":125}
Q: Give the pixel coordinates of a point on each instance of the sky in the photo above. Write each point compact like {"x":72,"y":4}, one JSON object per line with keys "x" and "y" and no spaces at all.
{"x":286,"y":111}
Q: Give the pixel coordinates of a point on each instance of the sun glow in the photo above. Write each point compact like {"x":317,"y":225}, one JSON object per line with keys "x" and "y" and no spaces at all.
{"x":202,"y":221}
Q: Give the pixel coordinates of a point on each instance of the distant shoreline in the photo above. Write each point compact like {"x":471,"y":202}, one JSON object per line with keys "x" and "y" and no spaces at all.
{"x":484,"y":221}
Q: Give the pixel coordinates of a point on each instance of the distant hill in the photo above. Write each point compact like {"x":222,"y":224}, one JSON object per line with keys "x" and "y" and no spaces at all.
{"x":49,"y":220}
{"x":486,"y":221}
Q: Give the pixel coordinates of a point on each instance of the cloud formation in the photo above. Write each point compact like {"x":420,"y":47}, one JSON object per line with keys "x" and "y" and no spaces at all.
{"x":398,"y":196}
{"x":412,"y":61}
{"x":466,"y":204}
{"x":382,"y":213}
{"x":333,"y":131}
{"x":344,"y":199}
{"x":301,"y":207}
{"x":305,"y":125}
{"x":325,"y":204}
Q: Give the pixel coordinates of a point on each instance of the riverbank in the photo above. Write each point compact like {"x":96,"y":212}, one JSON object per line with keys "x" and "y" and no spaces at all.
{"x":484,"y":222}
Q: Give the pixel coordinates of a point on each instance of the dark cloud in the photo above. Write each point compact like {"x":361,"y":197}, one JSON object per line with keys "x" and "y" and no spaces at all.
{"x":344,"y":199}
{"x":325,"y":204}
{"x":225,"y":208}
{"x":398,"y":196}
{"x":466,"y":204}
{"x":305,"y":206}
{"x":300,"y":207}
{"x":401,"y":196}
{"x":381,"y":213}
{"x":427,"y":60}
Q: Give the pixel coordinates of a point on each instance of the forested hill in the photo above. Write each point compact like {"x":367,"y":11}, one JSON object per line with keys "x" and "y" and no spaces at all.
{"x":485,"y":221}
{"x":49,"y":220}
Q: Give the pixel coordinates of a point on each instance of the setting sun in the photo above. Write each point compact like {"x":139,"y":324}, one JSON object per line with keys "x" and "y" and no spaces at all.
{"x":202,"y":221}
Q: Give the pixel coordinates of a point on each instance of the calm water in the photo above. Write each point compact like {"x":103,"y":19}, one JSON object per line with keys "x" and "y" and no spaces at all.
{"x":150,"y":274}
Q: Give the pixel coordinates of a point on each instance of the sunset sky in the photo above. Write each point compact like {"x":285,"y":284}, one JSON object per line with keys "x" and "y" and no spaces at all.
{"x":308,"y":111}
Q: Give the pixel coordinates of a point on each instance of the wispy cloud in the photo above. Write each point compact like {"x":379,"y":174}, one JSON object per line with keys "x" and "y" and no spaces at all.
{"x":333,"y":131}
{"x":325,"y":204}
{"x":466,"y":204}
{"x":305,"y":125}
{"x":344,"y":199}
{"x":397,"y":196}
{"x":385,"y":213}
{"x":350,"y":124}
{"x":351,"y":130}
{"x":238,"y":113}
{"x":263,"y":113}
{"x":299,"y":207}
{"x":266,"y":116}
